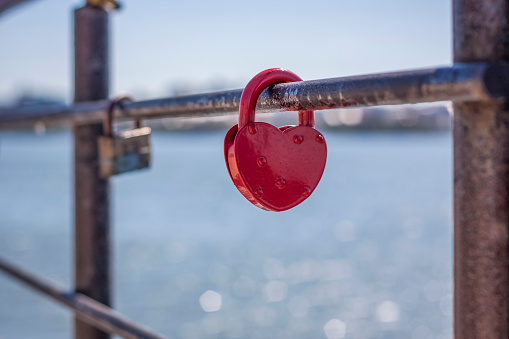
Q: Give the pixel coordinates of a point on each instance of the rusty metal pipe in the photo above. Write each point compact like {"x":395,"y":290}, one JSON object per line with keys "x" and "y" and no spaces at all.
{"x":460,"y":83}
{"x":481,"y":181}
{"x":92,"y":243}
{"x":85,"y":308}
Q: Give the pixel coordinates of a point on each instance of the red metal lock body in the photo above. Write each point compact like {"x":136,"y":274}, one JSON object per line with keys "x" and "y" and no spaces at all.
{"x":274,"y":168}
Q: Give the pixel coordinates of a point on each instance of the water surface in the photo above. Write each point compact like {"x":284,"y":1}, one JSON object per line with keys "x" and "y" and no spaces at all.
{"x":367,"y":256}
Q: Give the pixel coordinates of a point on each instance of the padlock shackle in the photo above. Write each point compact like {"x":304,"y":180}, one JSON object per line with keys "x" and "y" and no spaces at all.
{"x":256,"y":86}
{"x":108,"y":121}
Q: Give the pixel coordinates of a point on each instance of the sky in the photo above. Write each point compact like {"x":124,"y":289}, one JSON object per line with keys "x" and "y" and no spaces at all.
{"x":214,"y":44}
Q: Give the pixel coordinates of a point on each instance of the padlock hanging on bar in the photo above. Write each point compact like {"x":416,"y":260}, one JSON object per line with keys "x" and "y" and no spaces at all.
{"x":124,"y":151}
{"x":274,"y":168}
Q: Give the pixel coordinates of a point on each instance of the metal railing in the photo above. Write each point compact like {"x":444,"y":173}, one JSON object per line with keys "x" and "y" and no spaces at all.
{"x":460,"y":83}
{"x":85,"y":308}
{"x":5,"y":5}
{"x":477,"y":83}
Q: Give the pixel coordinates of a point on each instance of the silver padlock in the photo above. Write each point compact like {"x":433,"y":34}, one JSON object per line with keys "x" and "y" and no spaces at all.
{"x":124,"y":151}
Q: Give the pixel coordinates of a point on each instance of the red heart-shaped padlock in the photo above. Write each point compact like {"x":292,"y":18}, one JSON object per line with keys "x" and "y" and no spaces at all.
{"x":274,"y":168}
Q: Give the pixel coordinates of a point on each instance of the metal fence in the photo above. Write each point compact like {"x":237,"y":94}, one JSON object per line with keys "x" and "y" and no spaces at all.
{"x":477,"y":83}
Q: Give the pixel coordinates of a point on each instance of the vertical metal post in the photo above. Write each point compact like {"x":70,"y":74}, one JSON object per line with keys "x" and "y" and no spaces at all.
{"x":92,"y":201}
{"x":481,"y":181}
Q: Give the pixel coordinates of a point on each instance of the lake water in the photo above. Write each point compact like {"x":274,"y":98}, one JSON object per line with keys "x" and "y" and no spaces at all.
{"x":368,"y":255}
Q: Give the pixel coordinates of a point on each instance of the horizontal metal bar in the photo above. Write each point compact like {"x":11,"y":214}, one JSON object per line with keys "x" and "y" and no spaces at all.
{"x":459,"y":83}
{"x":9,"y":4}
{"x":85,"y":308}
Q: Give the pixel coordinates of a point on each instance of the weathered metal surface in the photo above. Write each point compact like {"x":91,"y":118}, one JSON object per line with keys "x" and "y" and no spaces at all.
{"x":125,"y":151}
{"x":92,"y":193}
{"x":85,"y":308}
{"x":481,"y":181}
{"x":460,"y":83}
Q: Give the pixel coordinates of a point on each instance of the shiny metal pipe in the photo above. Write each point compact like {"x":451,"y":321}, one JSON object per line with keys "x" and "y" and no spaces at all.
{"x":466,"y":82}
